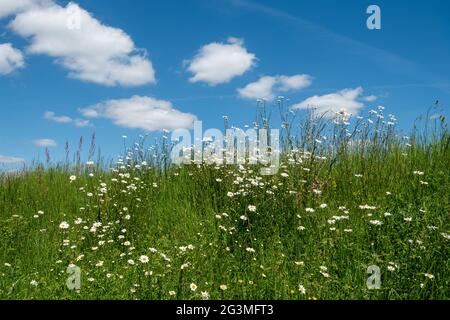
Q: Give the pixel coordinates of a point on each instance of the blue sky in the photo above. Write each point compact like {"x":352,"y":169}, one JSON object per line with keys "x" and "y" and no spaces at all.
{"x":131,"y":60}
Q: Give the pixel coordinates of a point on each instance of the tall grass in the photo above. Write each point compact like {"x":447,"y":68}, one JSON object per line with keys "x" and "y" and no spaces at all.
{"x":350,"y":194}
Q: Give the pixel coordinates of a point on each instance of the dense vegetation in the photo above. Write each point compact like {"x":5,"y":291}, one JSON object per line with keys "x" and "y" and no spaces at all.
{"x":349,"y":194}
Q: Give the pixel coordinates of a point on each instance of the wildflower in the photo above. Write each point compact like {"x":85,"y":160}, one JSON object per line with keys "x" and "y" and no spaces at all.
{"x":72,"y":178}
{"x":223,"y":287}
{"x":193,"y":286}
{"x":367,"y":207}
{"x":301,"y":289}
{"x":205,"y":295}
{"x":408,"y":219}
{"x":99,"y":264}
{"x":143,"y":259}
{"x":64,"y":225}
{"x":172,"y":293}
{"x":284,"y":175}
{"x":131,"y":262}
{"x":391,"y":268}
{"x":250,"y":250}
{"x":309,"y":210}
{"x":243,"y":218}
{"x":34,"y":283}
{"x":252,"y":208}
{"x":376,"y":222}
{"x":429,"y":276}
{"x":323,"y":206}
{"x":299,"y":263}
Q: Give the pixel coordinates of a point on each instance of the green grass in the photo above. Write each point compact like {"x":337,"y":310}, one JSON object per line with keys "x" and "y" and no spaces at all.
{"x":147,"y":208}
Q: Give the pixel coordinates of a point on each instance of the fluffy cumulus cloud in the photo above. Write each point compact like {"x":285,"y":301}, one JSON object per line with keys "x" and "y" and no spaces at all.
{"x":347,"y":100}
{"x":10,"y":59}
{"x":49,"y":115}
{"x":90,"y":50}
{"x":139,"y":112}
{"x":9,"y":160}
{"x":261,"y":89}
{"x":47,"y":143}
{"x":217,"y":63}
{"x":267,"y":87}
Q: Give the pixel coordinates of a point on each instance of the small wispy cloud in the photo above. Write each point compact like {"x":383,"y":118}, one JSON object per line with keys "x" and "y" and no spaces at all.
{"x":46,"y":143}
{"x":49,"y":115}
{"x":10,"y":160}
{"x":10,"y":59}
{"x":370,"y":98}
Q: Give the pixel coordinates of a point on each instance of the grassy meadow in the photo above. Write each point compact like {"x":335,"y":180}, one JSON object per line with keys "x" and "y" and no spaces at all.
{"x":348,"y":195}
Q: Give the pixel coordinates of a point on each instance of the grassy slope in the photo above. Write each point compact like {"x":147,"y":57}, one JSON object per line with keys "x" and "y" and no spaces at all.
{"x":181,"y":208}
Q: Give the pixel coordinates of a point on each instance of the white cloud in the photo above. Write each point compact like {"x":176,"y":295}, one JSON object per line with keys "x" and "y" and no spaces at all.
{"x":81,"y":122}
{"x":217,"y":63}
{"x":93,"y":52}
{"x":346,"y":99}
{"x":10,"y":59}
{"x":139,"y":112}
{"x":297,"y":82}
{"x":48,"y":143}
{"x":370,"y":98}
{"x":261,"y":89}
{"x":10,"y":7}
{"x":267,"y":87}
{"x":49,"y":115}
{"x":53,"y":117}
{"x":7,"y":159}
